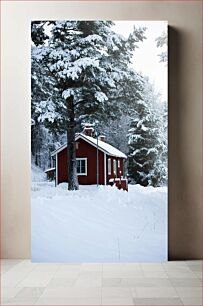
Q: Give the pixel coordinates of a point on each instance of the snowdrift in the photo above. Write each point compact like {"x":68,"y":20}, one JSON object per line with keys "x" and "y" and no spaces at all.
{"x":98,"y":224}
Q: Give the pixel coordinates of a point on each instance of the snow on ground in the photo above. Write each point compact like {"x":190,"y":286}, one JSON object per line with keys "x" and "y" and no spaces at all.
{"x":37,"y":173}
{"x":101,"y":224}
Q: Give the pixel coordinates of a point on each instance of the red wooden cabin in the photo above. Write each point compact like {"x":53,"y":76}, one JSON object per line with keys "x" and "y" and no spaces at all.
{"x":110,"y":160}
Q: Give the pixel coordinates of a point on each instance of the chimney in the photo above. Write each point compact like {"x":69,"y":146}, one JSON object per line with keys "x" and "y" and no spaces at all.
{"x":88,"y":130}
{"x":102,"y":138}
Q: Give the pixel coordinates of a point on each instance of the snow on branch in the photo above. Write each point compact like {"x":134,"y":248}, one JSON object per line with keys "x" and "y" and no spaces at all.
{"x":67,"y":93}
{"x":100,"y":96}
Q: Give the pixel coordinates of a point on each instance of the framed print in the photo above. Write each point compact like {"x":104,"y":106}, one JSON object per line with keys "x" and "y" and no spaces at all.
{"x":99,"y":141}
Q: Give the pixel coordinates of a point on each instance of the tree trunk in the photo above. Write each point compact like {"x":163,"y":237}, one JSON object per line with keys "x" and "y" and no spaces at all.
{"x":72,"y":167}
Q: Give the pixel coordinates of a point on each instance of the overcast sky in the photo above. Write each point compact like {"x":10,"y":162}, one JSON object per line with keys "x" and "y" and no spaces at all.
{"x":146,"y":59}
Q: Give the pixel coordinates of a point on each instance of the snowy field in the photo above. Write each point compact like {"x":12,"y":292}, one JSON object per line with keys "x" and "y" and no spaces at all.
{"x":98,"y":224}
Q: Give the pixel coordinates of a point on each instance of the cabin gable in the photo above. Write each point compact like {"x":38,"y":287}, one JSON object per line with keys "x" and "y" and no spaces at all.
{"x":86,"y":151}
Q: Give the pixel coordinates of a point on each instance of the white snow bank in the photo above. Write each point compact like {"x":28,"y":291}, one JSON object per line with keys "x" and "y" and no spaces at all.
{"x":98,"y":224}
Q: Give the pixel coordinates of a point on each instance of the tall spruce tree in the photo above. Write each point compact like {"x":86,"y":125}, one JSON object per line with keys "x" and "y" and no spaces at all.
{"x":161,"y":163}
{"x":85,"y":61}
{"x":146,"y":139}
{"x":46,"y":135}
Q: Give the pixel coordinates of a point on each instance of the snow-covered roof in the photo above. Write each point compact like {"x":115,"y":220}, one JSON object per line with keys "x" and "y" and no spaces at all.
{"x":109,"y":149}
{"x":102,"y":146}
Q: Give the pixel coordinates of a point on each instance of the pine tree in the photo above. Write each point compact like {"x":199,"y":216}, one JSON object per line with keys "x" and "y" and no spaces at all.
{"x":142,"y":148}
{"x":122,"y":100}
{"x":147,"y":140}
{"x":161,"y":162}
{"x":44,"y":137}
{"x":84,"y":63}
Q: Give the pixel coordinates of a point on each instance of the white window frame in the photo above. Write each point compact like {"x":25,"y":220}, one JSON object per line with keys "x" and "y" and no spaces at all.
{"x":79,"y":159}
{"x":115,"y":167}
{"x":119,"y":163}
{"x":109,"y":166}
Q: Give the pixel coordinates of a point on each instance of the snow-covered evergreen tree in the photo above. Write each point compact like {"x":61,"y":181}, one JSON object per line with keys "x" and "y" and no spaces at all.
{"x":147,"y":140}
{"x":161,"y":163}
{"x":124,"y":99}
{"x":45,"y":136}
{"x":84,"y":63}
{"x":142,"y":146}
{"x":44,"y":142}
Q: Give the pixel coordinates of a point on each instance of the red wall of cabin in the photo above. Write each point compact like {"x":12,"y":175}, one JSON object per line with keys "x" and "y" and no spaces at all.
{"x":121,"y":169}
{"x":87,"y":150}
{"x":84,"y":150}
{"x":90,"y":152}
{"x":62,"y":166}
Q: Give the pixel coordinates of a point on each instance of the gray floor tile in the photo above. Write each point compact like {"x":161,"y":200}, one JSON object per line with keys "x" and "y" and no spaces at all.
{"x":89,"y":282}
{"x":116,"y":292}
{"x":192,"y":301}
{"x":189,"y":291}
{"x":178,"y":274}
{"x":157,"y":301}
{"x":185,"y":282}
{"x":146,"y":282}
{"x":21,"y":301}
{"x":27,"y":292}
{"x":193,"y":262}
{"x":91,"y":267}
{"x":152,"y":267}
{"x":177,"y":268}
{"x":112,"y":282}
{"x":198,"y":274}
{"x":69,"y":301}
{"x":155,"y":274}
{"x":9,"y":292}
{"x":170,"y":283}
{"x":74,"y":292}
{"x":153,"y":292}
{"x":196,"y":268}
{"x":61,"y":282}
{"x":117,"y":301}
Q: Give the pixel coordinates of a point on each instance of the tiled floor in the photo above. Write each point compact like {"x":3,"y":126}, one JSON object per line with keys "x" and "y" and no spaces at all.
{"x":172,"y":283}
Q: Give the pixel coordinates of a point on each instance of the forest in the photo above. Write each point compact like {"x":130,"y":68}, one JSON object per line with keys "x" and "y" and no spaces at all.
{"x":81,"y":72}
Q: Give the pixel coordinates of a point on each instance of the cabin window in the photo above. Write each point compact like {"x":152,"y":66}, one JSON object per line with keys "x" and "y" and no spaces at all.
{"x":119,"y":163}
{"x":81,"y":166}
{"x":109,"y":166}
{"x":114,"y":167}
